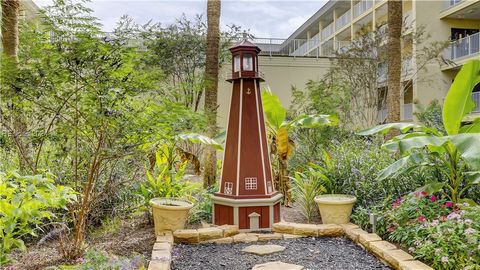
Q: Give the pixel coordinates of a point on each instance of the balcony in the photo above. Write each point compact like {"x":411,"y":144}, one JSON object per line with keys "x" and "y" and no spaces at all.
{"x":289,"y":47}
{"x":307,"y":46}
{"x":362,"y":7}
{"x":407,"y":114}
{"x":328,"y":31}
{"x":464,"y":48}
{"x":343,"y":20}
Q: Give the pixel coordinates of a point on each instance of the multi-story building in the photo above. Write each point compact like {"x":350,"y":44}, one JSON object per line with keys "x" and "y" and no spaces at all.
{"x":339,"y":22}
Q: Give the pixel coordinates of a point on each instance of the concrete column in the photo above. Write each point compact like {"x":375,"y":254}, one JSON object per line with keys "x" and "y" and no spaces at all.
{"x":235,"y":215}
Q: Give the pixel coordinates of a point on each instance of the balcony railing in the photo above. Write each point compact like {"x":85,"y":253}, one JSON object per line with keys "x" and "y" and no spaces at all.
{"x":292,"y":47}
{"x":328,"y":31}
{"x":343,"y":20}
{"x":465,"y":47}
{"x":362,"y":7}
{"x":476,"y":99}
{"x":407,"y":113}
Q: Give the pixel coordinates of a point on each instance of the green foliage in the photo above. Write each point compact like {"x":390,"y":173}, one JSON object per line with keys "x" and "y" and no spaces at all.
{"x":26,"y":202}
{"x":456,"y":156}
{"x":430,"y":116}
{"x":306,"y":186}
{"x":95,"y":259}
{"x":202,"y":209}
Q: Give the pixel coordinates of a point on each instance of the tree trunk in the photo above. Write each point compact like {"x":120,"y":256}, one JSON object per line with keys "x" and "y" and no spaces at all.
{"x":10,"y":12}
{"x":211,"y":88}
{"x":394,"y":60}
{"x":10,"y":43}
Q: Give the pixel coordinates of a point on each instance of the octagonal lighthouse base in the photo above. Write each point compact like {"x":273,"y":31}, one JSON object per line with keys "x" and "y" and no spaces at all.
{"x":250,"y":214}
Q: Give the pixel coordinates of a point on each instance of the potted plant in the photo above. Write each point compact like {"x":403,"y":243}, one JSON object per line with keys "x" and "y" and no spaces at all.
{"x":169,"y":213}
{"x":334,"y":208}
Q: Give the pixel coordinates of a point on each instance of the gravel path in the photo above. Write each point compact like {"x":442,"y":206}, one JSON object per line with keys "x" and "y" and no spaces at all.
{"x":312,"y":253}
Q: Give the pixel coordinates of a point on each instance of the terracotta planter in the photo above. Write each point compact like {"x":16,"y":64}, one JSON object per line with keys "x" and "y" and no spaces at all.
{"x":169,"y":214}
{"x":335,"y":208}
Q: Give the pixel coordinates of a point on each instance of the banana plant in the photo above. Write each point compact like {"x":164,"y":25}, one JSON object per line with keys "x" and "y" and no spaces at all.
{"x":281,"y":144}
{"x":456,"y":155}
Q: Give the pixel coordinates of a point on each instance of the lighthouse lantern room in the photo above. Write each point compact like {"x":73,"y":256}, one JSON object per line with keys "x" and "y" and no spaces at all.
{"x":246,"y":196}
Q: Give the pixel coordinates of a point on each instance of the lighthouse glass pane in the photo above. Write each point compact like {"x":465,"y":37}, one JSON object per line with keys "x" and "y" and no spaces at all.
{"x":236,"y":63}
{"x":247,"y":62}
{"x":250,"y":183}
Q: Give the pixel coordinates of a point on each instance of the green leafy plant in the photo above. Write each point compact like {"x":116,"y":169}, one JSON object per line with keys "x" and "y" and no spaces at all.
{"x":456,"y":156}
{"x":26,"y":202}
{"x":281,"y":144}
{"x":307,"y":185}
{"x":95,"y":259}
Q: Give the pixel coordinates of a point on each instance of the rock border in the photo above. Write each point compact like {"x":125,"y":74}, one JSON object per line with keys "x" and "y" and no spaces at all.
{"x":387,"y":252}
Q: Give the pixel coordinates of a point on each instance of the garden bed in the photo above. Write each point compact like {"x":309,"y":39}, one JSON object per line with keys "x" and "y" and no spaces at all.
{"x":311,"y":252}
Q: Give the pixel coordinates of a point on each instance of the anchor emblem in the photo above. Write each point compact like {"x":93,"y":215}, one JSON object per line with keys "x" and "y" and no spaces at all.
{"x":249,"y":91}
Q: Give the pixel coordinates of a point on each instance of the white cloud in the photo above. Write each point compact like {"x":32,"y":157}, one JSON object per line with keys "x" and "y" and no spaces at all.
{"x":264,"y":18}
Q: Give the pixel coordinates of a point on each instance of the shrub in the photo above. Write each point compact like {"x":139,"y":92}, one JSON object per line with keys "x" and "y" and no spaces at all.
{"x":26,"y":202}
{"x":100,"y":260}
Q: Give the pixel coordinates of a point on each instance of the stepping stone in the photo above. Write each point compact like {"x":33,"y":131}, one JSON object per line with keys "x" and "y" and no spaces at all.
{"x":278,"y":265}
{"x":263,"y":249}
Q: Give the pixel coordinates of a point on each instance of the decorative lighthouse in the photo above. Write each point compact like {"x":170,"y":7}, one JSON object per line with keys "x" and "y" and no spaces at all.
{"x":246,"y":196}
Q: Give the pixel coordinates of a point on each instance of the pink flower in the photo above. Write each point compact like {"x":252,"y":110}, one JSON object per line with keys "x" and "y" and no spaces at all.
{"x":453,"y":215}
{"x":433,"y":198}
{"x":449,"y":204}
{"x":421,"y":218}
{"x":469,"y":231}
{"x":445,"y":259}
{"x":397,"y":203}
{"x":424,"y":193}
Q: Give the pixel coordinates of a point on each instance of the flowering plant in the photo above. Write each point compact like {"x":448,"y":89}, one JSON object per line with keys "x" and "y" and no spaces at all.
{"x":437,"y":231}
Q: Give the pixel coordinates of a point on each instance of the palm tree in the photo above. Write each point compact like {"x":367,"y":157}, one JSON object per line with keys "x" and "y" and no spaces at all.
{"x":394,"y":59}
{"x":211,"y":87}
{"x":10,"y":10}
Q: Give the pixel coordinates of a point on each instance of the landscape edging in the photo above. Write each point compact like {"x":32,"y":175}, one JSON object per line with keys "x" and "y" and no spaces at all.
{"x":227,"y":234}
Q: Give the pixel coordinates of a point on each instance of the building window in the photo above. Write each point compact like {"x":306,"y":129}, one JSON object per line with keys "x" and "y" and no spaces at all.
{"x":236,"y":63}
{"x":247,"y":62}
{"x":250,"y":183}
{"x":228,"y":187}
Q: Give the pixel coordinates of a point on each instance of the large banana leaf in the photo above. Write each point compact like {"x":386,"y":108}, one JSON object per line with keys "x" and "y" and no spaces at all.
{"x":402,"y":165}
{"x":468,"y":144}
{"x":201,"y":139}
{"x":284,"y":146}
{"x":471,"y":128}
{"x":313,"y":121}
{"x":275,"y":114}
{"x":458,"y":101}
{"x":409,"y":144}
{"x":384,"y":129}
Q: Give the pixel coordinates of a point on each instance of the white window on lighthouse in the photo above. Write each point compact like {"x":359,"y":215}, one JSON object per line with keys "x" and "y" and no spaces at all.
{"x":250,"y":183}
{"x":236,"y":63}
{"x":247,"y":62}
{"x":228,"y":187}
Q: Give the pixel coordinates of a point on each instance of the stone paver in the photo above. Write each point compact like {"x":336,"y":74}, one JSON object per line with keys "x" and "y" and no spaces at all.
{"x":394,"y":257}
{"x":209,"y":233}
{"x":229,"y":230}
{"x":162,"y":246}
{"x":330,"y":230}
{"x":161,"y":255}
{"x":349,"y":226}
{"x":379,"y":247}
{"x":354,"y":234}
{"x":366,"y":239}
{"x":278,"y":265}
{"x":284,"y":227}
{"x":186,"y":236}
{"x":291,"y":236}
{"x":263,"y":249}
{"x":159,"y":265}
{"x":245,"y":238}
{"x":306,"y":229}
{"x":414,"y":265}
{"x":165,"y":239}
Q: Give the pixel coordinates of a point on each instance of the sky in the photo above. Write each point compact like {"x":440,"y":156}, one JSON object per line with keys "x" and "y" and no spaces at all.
{"x":264,"y":18}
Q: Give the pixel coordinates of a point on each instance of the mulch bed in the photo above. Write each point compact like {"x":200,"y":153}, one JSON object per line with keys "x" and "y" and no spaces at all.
{"x":133,"y":238}
{"x":312,"y":253}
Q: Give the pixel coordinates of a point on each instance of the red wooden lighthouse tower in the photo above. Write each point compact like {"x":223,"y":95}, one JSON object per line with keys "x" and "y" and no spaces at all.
{"x":246,"y":197}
